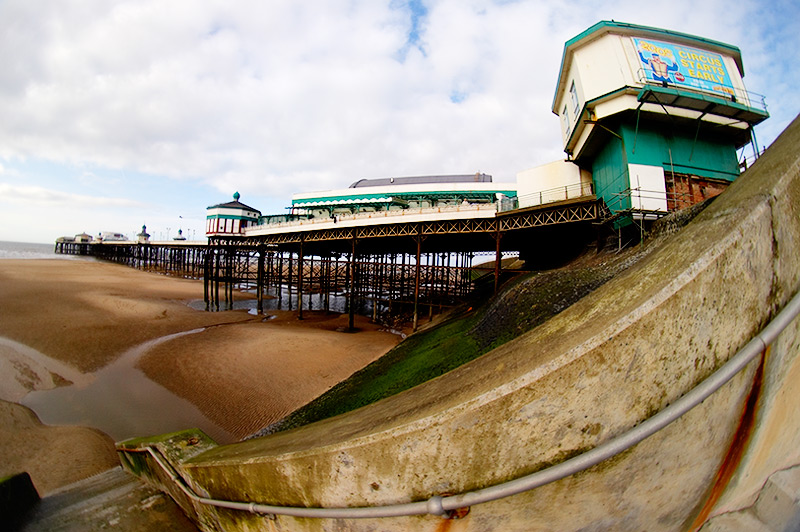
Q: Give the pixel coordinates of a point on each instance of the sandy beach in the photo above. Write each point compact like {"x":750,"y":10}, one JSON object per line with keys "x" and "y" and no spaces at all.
{"x":61,"y":321}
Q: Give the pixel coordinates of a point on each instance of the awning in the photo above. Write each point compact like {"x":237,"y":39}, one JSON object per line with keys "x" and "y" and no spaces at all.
{"x":348,"y":201}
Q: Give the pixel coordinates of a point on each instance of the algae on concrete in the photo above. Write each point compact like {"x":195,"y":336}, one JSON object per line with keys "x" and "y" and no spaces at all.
{"x":476,"y":328}
{"x":590,"y":373}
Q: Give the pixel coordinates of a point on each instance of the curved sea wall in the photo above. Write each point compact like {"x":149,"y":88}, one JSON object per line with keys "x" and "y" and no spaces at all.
{"x":593,"y":372}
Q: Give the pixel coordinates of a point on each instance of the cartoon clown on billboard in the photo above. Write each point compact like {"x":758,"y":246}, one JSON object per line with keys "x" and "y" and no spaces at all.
{"x":661,"y":70}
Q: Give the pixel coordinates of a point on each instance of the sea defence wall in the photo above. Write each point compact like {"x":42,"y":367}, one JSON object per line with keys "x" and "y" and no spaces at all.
{"x":595,"y":371}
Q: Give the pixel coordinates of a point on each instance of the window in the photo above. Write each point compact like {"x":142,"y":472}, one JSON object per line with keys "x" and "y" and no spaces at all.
{"x":573,"y":92}
{"x":565,"y":119}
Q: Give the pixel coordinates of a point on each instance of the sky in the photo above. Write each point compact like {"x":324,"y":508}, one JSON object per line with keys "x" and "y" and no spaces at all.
{"x":115,"y":114}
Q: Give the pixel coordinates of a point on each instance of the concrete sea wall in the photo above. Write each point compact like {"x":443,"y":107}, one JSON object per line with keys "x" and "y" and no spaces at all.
{"x":596,"y":370}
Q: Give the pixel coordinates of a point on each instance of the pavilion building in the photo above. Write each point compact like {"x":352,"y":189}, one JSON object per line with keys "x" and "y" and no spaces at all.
{"x":653,"y":118}
{"x":231,"y":218}
{"x":397,"y":193}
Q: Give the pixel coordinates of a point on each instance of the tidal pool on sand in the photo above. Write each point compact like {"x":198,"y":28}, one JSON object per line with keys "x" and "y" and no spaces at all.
{"x":122,"y":402}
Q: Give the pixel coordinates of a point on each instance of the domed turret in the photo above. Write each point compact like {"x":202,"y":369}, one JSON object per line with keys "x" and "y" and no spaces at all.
{"x":230,"y":218}
{"x":144,"y":236}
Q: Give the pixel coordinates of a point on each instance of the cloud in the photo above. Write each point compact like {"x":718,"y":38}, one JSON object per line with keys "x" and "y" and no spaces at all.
{"x":40,"y":196}
{"x":280,"y":97}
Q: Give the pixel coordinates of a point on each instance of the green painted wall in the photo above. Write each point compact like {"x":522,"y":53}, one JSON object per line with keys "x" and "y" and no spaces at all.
{"x":656,"y":145}
{"x":610,"y":174}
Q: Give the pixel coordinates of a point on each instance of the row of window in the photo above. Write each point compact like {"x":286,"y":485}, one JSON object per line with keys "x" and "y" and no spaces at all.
{"x":573,"y":93}
{"x":223,"y":225}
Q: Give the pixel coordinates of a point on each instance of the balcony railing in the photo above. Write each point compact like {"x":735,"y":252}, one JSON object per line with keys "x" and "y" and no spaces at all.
{"x":734,"y":95}
{"x":567,"y":192}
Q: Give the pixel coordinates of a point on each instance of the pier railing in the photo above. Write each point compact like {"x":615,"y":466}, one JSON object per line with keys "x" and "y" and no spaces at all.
{"x":551,"y":195}
{"x":391,"y":216}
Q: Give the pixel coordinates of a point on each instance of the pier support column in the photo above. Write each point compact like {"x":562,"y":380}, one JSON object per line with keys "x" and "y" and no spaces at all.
{"x":206,"y":278}
{"x":416,"y":281}
{"x":230,"y":273}
{"x":311,"y":282}
{"x":290,"y":278}
{"x":328,"y":283}
{"x":351,"y":307}
{"x":300,"y":279}
{"x":280,"y":279}
{"x":269,"y":270}
{"x":260,"y":280}
{"x":497,"y":256}
{"x":215,"y":289}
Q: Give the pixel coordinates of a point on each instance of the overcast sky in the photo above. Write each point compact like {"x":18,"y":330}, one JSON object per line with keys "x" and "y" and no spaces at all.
{"x":118,"y":113}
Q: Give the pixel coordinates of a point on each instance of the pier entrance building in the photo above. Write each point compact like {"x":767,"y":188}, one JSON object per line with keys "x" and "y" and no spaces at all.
{"x":658,"y":118}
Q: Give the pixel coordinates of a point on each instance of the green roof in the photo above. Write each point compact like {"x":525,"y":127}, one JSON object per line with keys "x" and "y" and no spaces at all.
{"x":606,"y":26}
{"x":372,"y":198}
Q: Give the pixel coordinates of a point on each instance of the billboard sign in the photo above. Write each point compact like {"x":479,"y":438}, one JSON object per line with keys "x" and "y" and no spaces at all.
{"x":675,"y":64}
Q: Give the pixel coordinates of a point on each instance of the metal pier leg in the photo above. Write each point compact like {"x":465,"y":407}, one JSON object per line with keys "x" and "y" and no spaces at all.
{"x":300,"y":281}
{"x":310,"y":283}
{"x":352,"y":306}
{"x":432,"y":282}
{"x":280,"y":280}
{"x":289,"y":278}
{"x":233,"y":259}
{"x":497,"y":257}
{"x":260,"y":281}
{"x":216,"y":279}
{"x":416,"y":283}
{"x":328,"y":284}
{"x":206,"y":279}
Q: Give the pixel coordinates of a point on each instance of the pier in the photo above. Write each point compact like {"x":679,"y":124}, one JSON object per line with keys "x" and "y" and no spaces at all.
{"x":662,"y":400}
{"x":412,"y":264}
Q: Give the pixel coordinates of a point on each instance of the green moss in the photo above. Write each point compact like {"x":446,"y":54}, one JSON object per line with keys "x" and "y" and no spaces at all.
{"x":147,"y":441}
{"x":134,"y":463}
{"x":419,"y":358}
{"x":175,"y":447}
{"x":524,"y":303}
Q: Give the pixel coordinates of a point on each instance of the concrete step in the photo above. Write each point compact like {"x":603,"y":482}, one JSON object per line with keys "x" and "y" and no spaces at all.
{"x":113,"y":499}
{"x":778,"y":505}
{"x":735,"y":522}
{"x":777,"y":508}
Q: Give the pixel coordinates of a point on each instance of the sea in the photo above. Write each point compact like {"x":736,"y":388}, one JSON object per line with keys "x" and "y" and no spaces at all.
{"x":28,"y":250}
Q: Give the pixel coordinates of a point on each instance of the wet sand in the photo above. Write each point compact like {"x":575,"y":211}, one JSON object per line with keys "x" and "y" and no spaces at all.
{"x":63,"y":320}
{"x":249,"y":375}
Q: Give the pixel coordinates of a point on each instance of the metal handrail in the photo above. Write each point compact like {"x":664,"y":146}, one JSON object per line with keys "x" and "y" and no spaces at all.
{"x":745,"y":97}
{"x":575,"y":190}
{"x":469,"y":207}
{"x":438,"y":505}
{"x":639,"y":193}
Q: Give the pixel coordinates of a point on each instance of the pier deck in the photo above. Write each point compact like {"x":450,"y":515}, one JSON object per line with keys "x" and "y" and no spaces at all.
{"x":391,"y":262}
